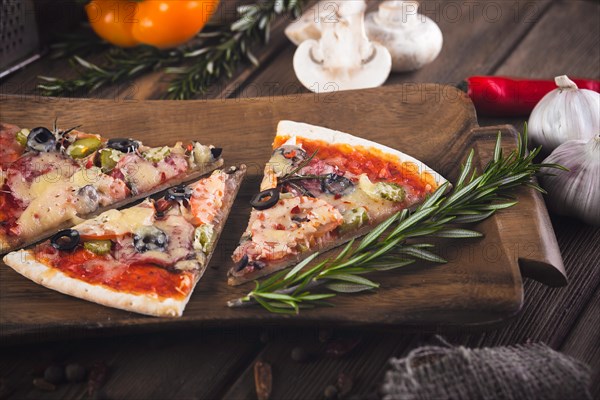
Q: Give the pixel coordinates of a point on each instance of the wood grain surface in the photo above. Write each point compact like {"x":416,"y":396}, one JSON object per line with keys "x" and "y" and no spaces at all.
{"x":481,"y":283}
{"x":546,"y":39}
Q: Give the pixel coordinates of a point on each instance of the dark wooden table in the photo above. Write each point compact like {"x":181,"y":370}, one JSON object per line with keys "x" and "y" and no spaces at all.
{"x":537,"y":39}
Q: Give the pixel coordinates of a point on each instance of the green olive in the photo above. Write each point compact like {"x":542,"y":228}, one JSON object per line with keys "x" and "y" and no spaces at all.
{"x":302,"y":247}
{"x":204,"y":236}
{"x":391,"y":191}
{"x":83,"y":147}
{"x":381,"y":190}
{"x":21,"y":137}
{"x":109,"y":159}
{"x":99,"y":247}
{"x":354,"y":219}
{"x":157,"y":154}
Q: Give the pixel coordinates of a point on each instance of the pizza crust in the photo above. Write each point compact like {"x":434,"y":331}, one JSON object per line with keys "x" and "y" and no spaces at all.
{"x":25,"y":264}
{"x":313,"y":132}
{"x":4,"y":245}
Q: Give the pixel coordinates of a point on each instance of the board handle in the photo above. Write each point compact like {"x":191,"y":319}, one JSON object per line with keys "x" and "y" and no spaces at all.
{"x":526,"y":228}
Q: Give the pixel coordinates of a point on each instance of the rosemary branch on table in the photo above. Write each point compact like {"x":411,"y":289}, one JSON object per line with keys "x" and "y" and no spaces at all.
{"x":474,"y":198}
{"x":215,"y":53}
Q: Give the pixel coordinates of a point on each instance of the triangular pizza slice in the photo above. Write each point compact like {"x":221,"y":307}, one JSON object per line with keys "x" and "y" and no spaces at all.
{"x":146,"y":258}
{"x":51,"y":179}
{"x":321,"y":188}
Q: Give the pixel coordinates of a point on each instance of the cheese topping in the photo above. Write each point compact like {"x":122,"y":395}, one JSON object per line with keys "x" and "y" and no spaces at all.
{"x":293,"y":222}
{"x":139,"y":172}
{"x":57,"y":200}
{"x":118,"y":222}
{"x":56,"y":206}
{"x":28,"y":179}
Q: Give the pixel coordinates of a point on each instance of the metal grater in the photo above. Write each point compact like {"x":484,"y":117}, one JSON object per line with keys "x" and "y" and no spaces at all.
{"x":19,"y":41}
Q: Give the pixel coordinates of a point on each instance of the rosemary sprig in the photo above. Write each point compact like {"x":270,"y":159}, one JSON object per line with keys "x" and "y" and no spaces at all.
{"x":121,"y":66}
{"x":215,"y":53}
{"x":295,"y":175}
{"x":81,"y":43}
{"x":475,"y":197}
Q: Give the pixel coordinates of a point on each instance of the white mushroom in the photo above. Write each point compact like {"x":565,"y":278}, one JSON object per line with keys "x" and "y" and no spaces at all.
{"x":344,"y":58}
{"x":413,"y":39}
{"x":308,"y":26}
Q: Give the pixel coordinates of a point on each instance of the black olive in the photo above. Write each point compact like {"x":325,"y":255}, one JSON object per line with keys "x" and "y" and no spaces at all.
{"x":293,"y":153}
{"x":41,"y":139}
{"x":265,"y":199}
{"x":297,"y":187}
{"x":179,"y":193}
{"x":90,"y":196}
{"x":216,"y":152}
{"x":150,"y":238}
{"x":337,"y":185}
{"x":123,"y":145}
{"x":133,"y":187}
{"x":65,"y":240}
{"x":242,"y":264}
{"x":258,"y":264}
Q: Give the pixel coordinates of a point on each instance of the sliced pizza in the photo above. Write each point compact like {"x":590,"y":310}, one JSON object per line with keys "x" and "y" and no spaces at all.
{"x":53,"y":179}
{"x":146,"y":258}
{"x":322,"y":188}
{"x":11,"y":149}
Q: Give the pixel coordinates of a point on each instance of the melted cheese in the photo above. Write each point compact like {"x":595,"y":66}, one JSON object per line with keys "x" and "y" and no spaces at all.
{"x":377,"y":209}
{"x":24,"y":189}
{"x":44,"y":183}
{"x":48,"y":182}
{"x":53,"y":208}
{"x":54,"y":200}
{"x":119,"y":222}
{"x":142,"y":174}
{"x":85,"y":177}
{"x":279,"y":230}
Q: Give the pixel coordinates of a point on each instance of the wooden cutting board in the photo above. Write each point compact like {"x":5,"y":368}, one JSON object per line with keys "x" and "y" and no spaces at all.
{"x":481,"y":283}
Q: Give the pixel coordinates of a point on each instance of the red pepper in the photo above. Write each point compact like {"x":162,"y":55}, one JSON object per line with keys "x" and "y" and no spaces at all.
{"x":499,"y":96}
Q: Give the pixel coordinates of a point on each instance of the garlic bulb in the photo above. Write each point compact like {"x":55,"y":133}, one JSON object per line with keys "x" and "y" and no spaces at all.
{"x":575,"y":192}
{"x":566,"y":113}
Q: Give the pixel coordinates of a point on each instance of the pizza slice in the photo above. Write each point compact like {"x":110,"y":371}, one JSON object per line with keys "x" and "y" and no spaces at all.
{"x":322,"y":188}
{"x":146,"y":258}
{"x":53,"y":179}
{"x":11,"y":149}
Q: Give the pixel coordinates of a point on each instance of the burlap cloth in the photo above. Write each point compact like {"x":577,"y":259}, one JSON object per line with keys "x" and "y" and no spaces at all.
{"x":532,"y":371}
